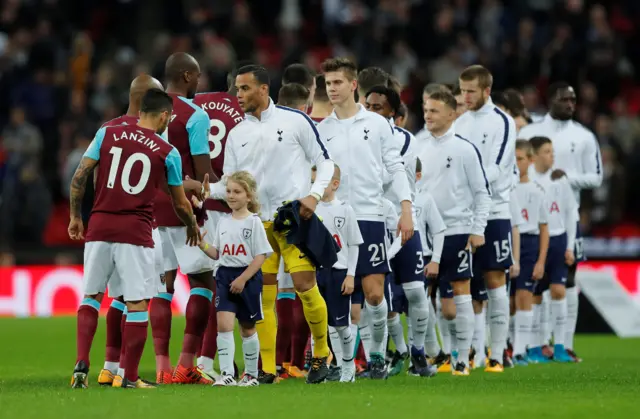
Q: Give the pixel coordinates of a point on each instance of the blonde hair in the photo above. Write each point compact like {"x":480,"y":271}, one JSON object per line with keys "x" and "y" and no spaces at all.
{"x":250,"y":186}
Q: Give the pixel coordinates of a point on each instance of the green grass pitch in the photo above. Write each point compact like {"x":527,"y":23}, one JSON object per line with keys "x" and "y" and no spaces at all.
{"x":37,"y":357}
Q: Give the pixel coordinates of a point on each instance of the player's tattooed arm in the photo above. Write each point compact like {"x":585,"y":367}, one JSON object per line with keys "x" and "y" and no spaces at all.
{"x":79,"y":184}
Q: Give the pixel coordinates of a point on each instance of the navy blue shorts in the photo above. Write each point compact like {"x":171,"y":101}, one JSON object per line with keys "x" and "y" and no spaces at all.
{"x":248,"y":304}
{"x":455,"y":263}
{"x":495,"y":255}
{"x":372,"y":258}
{"x":394,"y":294}
{"x":556,"y":270}
{"x":578,"y":249}
{"x":357,"y":296}
{"x":529,"y":250}
{"x":408,"y":265}
{"x":338,"y":305}
{"x":478,"y":286}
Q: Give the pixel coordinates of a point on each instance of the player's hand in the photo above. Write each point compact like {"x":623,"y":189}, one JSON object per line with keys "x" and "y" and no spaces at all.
{"x":308,"y":206}
{"x":432,"y":269}
{"x":193,"y":234}
{"x":405,"y":227}
{"x":199,"y":189}
{"x":514,"y":270}
{"x":569,"y":257}
{"x":538,"y":271}
{"x":557,"y":174}
{"x":76,"y":229}
{"x":475,"y":242}
{"x":347,"y":285}
{"x":237,"y":285}
{"x":202,"y":243}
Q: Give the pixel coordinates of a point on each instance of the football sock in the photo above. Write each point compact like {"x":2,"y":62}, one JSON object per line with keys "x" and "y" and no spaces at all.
{"x":160,"y":319}
{"x":378,"y":320}
{"x":512,"y":332}
{"x":535,"y":339}
{"x":397,"y":333}
{"x":123,"y":347}
{"x":315,"y":311}
{"x":336,"y":344}
{"x":498,"y":321}
{"x":197,"y":315}
{"x":346,"y":344}
{"x":226,"y":352}
{"x":464,"y":323}
{"x":364,"y":330}
{"x":418,"y":312}
{"x":114,"y":336}
{"x":209,"y":340}
{"x":431,"y":345}
{"x":300,"y":335}
{"x":445,"y":335}
{"x":284,"y":309}
{"x":268,"y":328}
{"x":559,"y":320}
{"x":135,"y":336}
{"x":545,"y":319}
{"x":572,"y":316}
{"x":250,"y":352}
{"x":87,"y":323}
{"x":479,"y":332}
{"x":451,"y":326}
{"x":523,"y":322}
{"x":356,"y":338}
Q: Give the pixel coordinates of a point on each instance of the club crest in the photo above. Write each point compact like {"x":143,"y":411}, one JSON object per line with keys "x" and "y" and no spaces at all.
{"x":339,"y":222}
{"x":246,"y":233}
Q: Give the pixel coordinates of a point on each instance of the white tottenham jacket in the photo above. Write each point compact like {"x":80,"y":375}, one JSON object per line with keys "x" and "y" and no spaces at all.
{"x":407,"y":142}
{"x":493,"y":132}
{"x":363,"y":146}
{"x":454,"y":176}
{"x":575,"y":151}
{"x":277,"y":149}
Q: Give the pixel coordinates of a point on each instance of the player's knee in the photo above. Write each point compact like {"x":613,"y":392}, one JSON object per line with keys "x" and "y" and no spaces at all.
{"x":247,"y":329}
{"x":99,"y":296}
{"x":201,"y":280}
{"x":374,"y":297}
{"x":269,"y":279}
{"x":557,"y":292}
{"x":495,"y":279}
{"x":304,"y":280}
{"x":448,"y":309}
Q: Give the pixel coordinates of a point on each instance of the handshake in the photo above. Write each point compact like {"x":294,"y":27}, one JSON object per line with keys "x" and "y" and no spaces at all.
{"x":201,"y":190}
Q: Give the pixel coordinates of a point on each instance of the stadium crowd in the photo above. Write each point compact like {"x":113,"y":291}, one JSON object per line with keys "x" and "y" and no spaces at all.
{"x":66,"y":66}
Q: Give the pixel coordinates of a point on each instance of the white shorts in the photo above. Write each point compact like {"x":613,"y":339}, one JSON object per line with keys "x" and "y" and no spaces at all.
{"x":129,"y":269}
{"x":177,"y":253}
{"x":284,"y":279}
{"x":211,"y":225}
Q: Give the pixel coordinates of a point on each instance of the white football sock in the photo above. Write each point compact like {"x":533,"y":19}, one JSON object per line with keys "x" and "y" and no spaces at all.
{"x":479,"y":333}
{"x":512,"y":325}
{"x":559,"y":320}
{"x":336,"y":344}
{"x":545,"y":318}
{"x":498,"y":321}
{"x":354,"y":333}
{"x":451,"y":325}
{"x":418,"y":312}
{"x":120,"y":372}
{"x":346,"y":344}
{"x":205,"y":363}
{"x":445,"y":334}
{"x":111,"y":366}
{"x":431,"y":345}
{"x":378,"y":321}
{"x":397,"y":333}
{"x":523,"y":321}
{"x":226,"y":352}
{"x":365,"y":334}
{"x":572,"y":316}
{"x":250,"y":353}
{"x":536,"y":335}
{"x":463,"y":326}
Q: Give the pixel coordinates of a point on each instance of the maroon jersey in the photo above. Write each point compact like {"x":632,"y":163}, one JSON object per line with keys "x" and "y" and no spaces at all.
{"x":188,"y":132}
{"x":133,"y":163}
{"x":121,"y":120}
{"x":224,"y":113}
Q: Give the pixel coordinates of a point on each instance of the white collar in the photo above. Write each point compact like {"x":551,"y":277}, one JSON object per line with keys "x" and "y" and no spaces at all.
{"x":266,"y":114}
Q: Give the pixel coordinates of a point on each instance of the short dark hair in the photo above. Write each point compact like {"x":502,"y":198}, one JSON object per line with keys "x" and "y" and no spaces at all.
{"x":537,"y":142}
{"x":370,"y":77}
{"x":340,"y":64}
{"x":321,"y":89}
{"x":554,"y":88}
{"x":431,"y":88}
{"x":456,"y":90}
{"x":445,"y":97}
{"x":259,"y":72}
{"x":402,"y":110}
{"x":293,"y":95}
{"x":393,"y":98}
{"x":156,"y":101}
{"x":477,"y":72}
{"x":298,"y":73}
{"x":394,"y":84}
{"x":418,"y":165}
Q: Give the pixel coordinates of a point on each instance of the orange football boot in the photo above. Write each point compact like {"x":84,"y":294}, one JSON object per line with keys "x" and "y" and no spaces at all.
{"x":182,"y":375}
